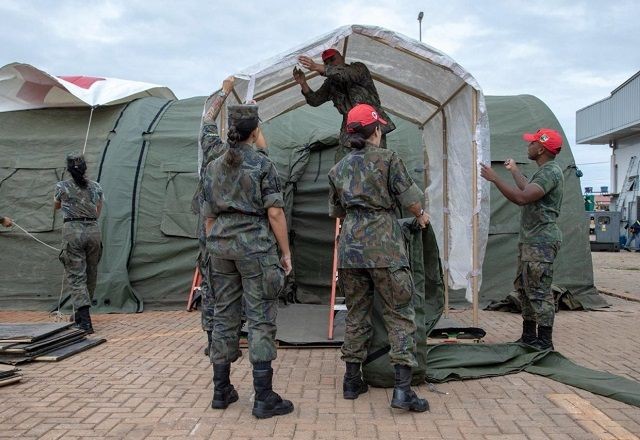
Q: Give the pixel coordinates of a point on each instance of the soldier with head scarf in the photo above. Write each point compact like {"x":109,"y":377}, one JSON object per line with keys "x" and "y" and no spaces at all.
{"x":81,"y":202}
{"x":245,"y":228}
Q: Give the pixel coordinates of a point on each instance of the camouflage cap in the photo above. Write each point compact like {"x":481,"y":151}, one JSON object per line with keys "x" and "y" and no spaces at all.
{"x":240,"y":112}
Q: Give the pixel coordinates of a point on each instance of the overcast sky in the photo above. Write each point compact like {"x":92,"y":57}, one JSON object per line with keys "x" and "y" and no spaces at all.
{"x":567,"y":53}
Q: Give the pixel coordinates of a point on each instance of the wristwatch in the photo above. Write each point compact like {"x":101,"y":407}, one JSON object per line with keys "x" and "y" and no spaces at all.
{"x":421,"y":213}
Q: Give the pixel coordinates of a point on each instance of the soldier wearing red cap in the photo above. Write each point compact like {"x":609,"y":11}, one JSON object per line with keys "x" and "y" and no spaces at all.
{"x":346,"y":85}
{"x":540,"y":237}
{"x":364,"y":189}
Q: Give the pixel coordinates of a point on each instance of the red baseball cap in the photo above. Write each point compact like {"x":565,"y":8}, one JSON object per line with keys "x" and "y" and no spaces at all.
{"x":550,"y":139}
{"x":328,"y":54}
{"x":362,"y":115}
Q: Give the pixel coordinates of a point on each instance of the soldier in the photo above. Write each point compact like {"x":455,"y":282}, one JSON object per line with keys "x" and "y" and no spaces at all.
{"x":81,"y":202}
{"x":364,"y":189}
{"x":246,"y":226}
{"x":211,"y":147}
{"x":6,"y":222}
{"x":346,"y":85}
{"x":540,"y":236}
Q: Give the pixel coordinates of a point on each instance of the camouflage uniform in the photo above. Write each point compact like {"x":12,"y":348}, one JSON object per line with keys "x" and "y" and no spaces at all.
{"x":212,"y":148}
{"x":346,"y":86}
{"x":243,"y":253}
{"x":81,"y":238}
{"x":540,"y":239}
{"x":365,"y":188}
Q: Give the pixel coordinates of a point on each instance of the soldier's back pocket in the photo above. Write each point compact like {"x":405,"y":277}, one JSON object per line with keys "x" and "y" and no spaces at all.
{"x":272,"y":276}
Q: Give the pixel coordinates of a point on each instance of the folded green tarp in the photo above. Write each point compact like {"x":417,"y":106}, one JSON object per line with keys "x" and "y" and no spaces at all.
{"x":447,"y":362}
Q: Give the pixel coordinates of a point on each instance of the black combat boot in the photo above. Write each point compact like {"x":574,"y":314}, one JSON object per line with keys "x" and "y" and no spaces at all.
{"x":403,"y":396}
{"x":529,"y":336}
{"x":83,"y":320}
{"x":267,"y":402}
{"x":224,"y":393}
{"x":352,"y":384}
{"x":208,"y":347}
{"x":544,"y":341}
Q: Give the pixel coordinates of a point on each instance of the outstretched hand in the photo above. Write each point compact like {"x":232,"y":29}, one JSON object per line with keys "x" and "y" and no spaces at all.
{"x":227,"y":84}
{"x":488,"y":173}
{"x":298,"y":75}
{"x":510,"y":164}
{"x":308,"y":63}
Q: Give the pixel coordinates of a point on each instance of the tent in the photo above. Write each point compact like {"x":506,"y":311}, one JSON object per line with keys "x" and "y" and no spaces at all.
{"x":144,"y":153}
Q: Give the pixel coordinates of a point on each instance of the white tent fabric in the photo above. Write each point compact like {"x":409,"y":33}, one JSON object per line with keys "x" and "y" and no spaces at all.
{"x":426,"y":87}
{"x":24,"y":87}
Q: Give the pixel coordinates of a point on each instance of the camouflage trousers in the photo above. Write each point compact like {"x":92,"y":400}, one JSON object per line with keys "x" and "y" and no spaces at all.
{"x":81,"y":252}
{"x":206,"y":293}
{"x":533,"y":281}
{"x":395,"y":289}
{"x":259,"y":281}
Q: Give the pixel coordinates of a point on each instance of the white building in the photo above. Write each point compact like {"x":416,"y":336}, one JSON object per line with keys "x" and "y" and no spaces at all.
{"x":615,"y":121}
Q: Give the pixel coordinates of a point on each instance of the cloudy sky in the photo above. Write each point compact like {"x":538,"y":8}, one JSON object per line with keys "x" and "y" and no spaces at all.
{"x":567,"y":53}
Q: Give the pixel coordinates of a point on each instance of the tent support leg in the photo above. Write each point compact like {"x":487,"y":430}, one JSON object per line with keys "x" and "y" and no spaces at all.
{"x":445,"y":206}
{"x":474,"y":221}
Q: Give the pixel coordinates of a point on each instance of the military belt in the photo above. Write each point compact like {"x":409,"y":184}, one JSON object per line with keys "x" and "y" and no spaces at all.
{"x":80,"y":219}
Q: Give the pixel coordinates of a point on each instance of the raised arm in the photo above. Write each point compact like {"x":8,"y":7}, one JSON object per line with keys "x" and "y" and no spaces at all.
{"x":520,"y":196}
{"x":518,"y":177}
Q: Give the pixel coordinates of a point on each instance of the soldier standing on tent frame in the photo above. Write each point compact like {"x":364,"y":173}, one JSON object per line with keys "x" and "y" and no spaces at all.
{"x":211,"y":147}
{"x":540,"y":236}
{"x":346,"y":85}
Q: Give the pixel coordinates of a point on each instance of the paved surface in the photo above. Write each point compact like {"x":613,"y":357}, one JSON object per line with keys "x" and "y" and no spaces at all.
{"x":151,"y":381}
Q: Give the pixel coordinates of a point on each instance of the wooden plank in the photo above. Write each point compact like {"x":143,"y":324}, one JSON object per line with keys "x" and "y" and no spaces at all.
{"x":27,"y":348}
{"x":10,"y":380}
{"x":29,"y":332}
{"x":70,"y":350}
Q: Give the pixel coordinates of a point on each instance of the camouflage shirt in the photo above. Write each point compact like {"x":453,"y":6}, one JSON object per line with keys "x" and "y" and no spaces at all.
{"x":365,"y":187}
{"x":346,"y":86}
{"x":238,"y":199}
{"x":538,"y":221}
{"x":78,"y":202}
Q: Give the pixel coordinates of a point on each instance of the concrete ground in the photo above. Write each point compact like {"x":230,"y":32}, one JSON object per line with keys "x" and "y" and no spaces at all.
{"x":151,"y":381}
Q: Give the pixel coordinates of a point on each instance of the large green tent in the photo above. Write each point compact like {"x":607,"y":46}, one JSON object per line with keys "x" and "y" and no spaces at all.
{"x":145,"y":156}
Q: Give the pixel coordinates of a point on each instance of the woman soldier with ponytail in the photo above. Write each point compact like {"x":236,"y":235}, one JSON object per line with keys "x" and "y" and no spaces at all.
{"x":81,"y":201}
{"x":245,"y":228}
{"x":365,"y":187}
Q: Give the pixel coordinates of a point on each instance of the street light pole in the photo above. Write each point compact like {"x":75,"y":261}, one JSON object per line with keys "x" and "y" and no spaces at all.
{"x":420,"y":15}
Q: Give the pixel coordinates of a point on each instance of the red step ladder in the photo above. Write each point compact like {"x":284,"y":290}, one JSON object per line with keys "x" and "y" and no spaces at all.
{"x":195,"y":287}
{"x":333,"y":307}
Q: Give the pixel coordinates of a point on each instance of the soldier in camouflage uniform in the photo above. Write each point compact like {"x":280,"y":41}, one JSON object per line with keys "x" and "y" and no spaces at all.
{"x":211,"y":147}
{"x":81,"y":202}
{"x":540,"y":236}
{"x":365,"y":187}
{"x":246,"y":225}
{"x":346,"y":85}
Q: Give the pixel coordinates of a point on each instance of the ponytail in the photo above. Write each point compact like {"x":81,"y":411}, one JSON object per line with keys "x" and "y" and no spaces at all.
{"x":78,"y":167}
{"x":239,"y":131}
{"x":359,"y":134}
{"x":232,"y":157}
